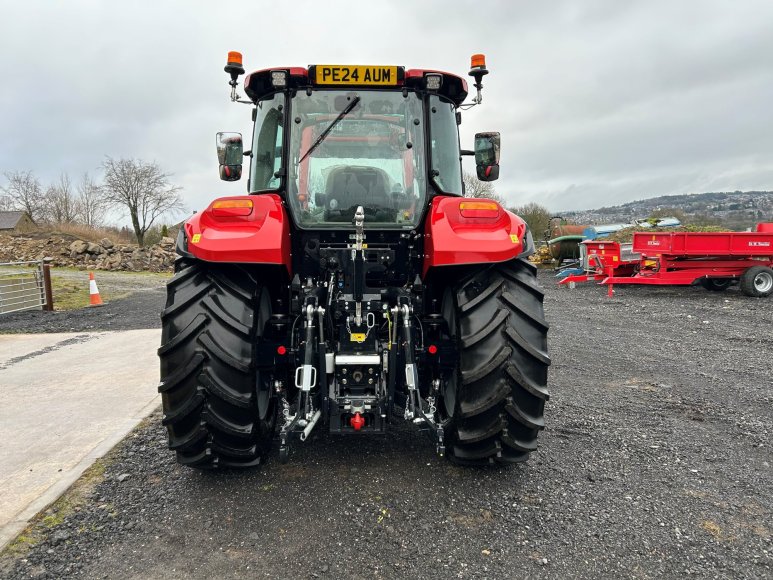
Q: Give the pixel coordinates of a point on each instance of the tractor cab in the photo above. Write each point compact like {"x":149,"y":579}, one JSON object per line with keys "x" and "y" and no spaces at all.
{"x":332,"y":138}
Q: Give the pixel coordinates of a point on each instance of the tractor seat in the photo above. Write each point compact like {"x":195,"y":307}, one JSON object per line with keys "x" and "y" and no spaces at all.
{"x":345,"y":192}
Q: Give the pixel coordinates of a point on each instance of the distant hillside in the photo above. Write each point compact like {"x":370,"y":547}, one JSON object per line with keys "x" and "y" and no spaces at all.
{"x":735,"y":210}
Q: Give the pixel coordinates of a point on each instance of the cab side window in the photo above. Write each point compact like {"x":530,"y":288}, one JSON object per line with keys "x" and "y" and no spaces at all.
{"x":267,"y":144}
{"x":444,"y":140}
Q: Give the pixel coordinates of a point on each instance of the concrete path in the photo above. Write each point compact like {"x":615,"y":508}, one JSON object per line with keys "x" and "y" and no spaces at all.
{"x":66,"y":400}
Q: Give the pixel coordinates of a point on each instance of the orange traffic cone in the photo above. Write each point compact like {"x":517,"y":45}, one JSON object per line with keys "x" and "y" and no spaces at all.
{"x":94,"y":297}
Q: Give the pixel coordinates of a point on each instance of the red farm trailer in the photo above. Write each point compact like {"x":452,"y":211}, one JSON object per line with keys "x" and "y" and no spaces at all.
{"x":600,"y":259}
{"x":713,"y":259}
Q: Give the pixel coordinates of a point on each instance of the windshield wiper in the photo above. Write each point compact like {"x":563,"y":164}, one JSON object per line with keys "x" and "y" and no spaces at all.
{"x":324,"y":134}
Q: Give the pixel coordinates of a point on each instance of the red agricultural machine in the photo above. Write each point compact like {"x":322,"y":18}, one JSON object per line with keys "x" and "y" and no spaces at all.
{"x":600,"y":259}
{"x":713,"y":259}
{"x":355,"y":285}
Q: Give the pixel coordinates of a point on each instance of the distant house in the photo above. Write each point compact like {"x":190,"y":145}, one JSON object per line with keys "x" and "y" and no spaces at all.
{"x":16,"y":221}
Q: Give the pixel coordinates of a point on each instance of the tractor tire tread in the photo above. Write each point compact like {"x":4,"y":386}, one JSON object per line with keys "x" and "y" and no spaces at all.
{"x":190,"y":405}
{"x":225,"y":392}
{"x":208,"y":373}
{"x":216,"y":309}
{"x":218,"y":352}
{"x":182,"y":373}
{"x":190,"y":330}
{"x":471,"y":304}
{"x":493,"y":326}
{"x":184,"y":442}
{"x":502,"y":376}
{"x":489,"y":366}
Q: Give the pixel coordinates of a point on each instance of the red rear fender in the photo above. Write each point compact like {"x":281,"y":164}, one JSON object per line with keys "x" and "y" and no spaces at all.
{"x":463,"y":230}
{"x":229,"y":230}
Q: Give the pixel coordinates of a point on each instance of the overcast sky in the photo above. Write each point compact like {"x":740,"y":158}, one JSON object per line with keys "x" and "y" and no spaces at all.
{"x":598,"y":102}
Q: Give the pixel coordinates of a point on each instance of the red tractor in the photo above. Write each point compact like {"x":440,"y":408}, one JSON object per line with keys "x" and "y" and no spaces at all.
{"x":354,"y":285}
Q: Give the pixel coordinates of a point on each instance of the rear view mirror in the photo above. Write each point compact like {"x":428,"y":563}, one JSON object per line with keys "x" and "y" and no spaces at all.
{"x":229,"y":155}
{"x":487,"y":156}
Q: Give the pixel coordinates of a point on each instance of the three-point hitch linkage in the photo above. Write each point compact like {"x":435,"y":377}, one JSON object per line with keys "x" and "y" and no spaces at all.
{"x":349,"y":378}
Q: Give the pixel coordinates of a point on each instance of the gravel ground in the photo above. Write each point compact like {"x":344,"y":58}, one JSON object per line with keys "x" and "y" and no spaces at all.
{"x":656,"y":463}
{"x":140,"y":308}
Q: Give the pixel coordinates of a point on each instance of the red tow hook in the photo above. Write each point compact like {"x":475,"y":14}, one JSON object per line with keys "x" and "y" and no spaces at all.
{"x":357,"y":422}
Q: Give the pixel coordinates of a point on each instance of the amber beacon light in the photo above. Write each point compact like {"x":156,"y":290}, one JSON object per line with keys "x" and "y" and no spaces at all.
{"x":478,"y":70}
{"x":476,"y":61}
{"x":233,"y":66}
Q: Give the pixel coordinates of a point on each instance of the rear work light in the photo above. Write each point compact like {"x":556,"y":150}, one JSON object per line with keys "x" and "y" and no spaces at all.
{"x":232,"y":207}
{"x":479,"y":209}
{"x":279,"y":79}
{"x":433,"y":81}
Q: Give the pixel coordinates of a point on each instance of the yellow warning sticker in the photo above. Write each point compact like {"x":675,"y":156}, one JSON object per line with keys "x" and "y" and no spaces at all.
{"x":357,"y":337}
{"x":196,"y":238}
{"x":514,"y":238}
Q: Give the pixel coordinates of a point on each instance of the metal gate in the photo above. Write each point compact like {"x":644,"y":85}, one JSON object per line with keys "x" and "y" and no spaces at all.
{"x":25,"y":286}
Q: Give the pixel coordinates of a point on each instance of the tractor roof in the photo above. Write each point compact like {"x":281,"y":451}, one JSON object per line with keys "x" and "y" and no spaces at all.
{"x":264,"y":82}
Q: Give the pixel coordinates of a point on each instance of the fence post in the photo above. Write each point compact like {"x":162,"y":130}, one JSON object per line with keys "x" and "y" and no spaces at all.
{"x":49,"y":305}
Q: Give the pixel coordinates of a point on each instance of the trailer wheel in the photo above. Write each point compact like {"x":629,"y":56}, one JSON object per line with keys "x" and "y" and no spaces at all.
{"x":493,"y":403}
{"x":219,"y":409}
{"x":757,"y":281}
{"x":716,"y":284}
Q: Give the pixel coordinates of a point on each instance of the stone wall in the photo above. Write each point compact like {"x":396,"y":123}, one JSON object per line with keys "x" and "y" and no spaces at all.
{"x":105,"y":255}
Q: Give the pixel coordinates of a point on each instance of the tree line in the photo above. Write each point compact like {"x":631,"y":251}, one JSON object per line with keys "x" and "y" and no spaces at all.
{"x":139,"y":189}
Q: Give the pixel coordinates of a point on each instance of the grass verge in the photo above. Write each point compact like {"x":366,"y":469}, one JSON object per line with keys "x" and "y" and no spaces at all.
{"x":71,"y":286}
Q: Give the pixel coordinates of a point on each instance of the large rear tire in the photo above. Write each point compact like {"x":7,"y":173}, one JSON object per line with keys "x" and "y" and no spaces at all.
{"x":218,"y":408}
{"x":493,"y":404}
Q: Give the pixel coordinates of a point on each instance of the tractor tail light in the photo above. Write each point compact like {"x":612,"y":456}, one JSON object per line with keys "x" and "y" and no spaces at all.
{"x":232,"y":207}
{"x":479,"y":209}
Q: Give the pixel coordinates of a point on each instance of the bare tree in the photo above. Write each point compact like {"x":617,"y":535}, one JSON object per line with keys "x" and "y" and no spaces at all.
{"x":25,"y":193}
{"x":92,"y":204}
{"x":143,"y":189}
{"x":536,"y":216}
{"x":6,"y":203}
{"x":474,"y":187}
{"x":61,"y":203}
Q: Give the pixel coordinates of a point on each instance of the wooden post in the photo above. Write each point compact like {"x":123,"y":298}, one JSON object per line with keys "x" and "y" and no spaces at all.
{"x":49,"y":305}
